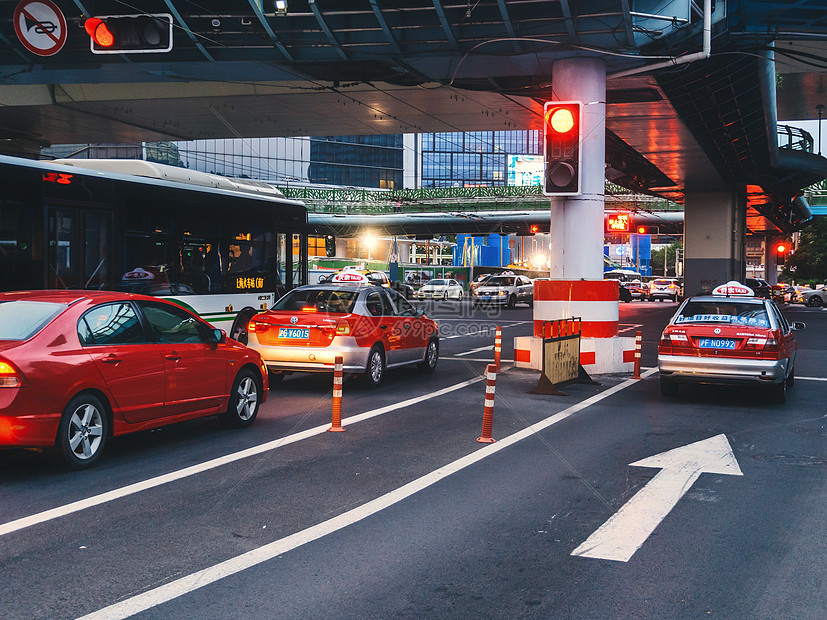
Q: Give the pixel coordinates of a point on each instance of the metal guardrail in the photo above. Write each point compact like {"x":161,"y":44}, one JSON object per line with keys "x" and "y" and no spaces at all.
{"x":794,"y":138}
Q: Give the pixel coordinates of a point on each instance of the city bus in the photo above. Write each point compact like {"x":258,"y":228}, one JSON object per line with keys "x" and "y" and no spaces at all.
{"x":224,"y":248}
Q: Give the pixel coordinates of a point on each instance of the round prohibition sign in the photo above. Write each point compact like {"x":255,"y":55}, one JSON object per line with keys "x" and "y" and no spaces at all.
{"x":40,"y":26}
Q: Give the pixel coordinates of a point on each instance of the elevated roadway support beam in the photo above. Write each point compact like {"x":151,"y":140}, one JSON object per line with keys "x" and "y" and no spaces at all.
{"x":576,"y":287}
{"x":715,"y":225}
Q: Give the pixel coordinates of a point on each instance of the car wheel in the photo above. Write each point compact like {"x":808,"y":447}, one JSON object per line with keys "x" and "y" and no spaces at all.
{"x":512,"y":301}
{"x":244,"y":400}
{"x":814,"y":301}
{"x":778,"y":392}
{"x":668,"y":388}
{"x":239,"y":331}
{"x":431,"y":357}
{"x":375,"y":371}
{"x":459,"y":296}
{"x":791,"y":378}
{"x":82,"y":432}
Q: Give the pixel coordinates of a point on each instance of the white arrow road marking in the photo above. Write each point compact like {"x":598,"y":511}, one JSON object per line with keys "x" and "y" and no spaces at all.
{"x":629,"y":527}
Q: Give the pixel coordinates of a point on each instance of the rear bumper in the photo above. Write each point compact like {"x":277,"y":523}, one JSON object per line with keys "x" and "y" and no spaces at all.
{"x":313,"y":359}
{"x":686,"y":369}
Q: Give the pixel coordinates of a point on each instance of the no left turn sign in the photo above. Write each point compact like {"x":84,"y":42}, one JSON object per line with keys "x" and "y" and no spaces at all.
{"x":40,"y":26}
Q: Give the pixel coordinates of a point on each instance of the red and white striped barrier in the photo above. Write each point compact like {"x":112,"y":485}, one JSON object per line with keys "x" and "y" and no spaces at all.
{"x":488,"y":410}
{"x":498,"y":347}
{"x":638,"y":346}
{"x":594,"y":301}
{"x":338,"y":376}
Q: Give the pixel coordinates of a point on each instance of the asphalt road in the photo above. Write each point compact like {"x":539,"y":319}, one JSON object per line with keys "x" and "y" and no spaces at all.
{"x":406,"y":515}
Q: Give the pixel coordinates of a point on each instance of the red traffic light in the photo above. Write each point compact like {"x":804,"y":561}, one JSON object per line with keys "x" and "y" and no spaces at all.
{"x":130,"y":34}
{"x":535,"y":228}
{"x":561,"y":148}
{"x":101,"y":35}
{"x":641,"y":230}
{"x":781,"y":248}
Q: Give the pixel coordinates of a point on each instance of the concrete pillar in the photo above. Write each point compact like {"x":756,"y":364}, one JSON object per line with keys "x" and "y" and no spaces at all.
{"x":770,"y":260}
{"x":576,"y":287}
{"x":576,"y":233}
{"x":714,"y":240}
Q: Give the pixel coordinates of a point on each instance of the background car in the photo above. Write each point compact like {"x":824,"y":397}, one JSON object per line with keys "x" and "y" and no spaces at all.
{"x":637,"y":289}
{"x":371,"y":327}
{"x":477,"y":282}
{"x":729,"y":337}
{"x":761,"y":287}
{"x":505,"y":290}
{"x":815,"y":298}
{"x":441,"y":289}
{"x":664,"y":288}
{"x":378,"y":278}
{"x":78,"y":367}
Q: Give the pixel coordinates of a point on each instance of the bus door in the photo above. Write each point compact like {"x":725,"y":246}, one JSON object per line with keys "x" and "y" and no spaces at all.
{"x":80,"y":254}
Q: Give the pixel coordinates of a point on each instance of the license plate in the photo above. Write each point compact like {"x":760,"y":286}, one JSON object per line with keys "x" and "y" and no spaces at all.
{"x":716,"y":343}
{"x":293,"y":333}
{"x":485,"y":297}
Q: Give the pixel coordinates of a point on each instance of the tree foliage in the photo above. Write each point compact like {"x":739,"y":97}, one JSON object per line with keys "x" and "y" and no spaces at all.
{"x":669,"y":253}
{"x":809,"y":261}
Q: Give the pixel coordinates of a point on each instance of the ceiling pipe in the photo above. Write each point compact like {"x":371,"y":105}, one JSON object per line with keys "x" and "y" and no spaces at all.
{"x":705,"y":53}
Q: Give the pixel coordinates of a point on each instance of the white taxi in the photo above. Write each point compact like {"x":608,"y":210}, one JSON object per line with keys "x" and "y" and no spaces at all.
{"x":728,"y":337}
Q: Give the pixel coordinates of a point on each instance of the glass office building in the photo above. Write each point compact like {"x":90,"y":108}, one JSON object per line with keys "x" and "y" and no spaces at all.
{"x":476,"y":158}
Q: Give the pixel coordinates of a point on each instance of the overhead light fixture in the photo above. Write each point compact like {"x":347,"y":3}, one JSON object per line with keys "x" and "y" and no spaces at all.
{"x":281,"y":7}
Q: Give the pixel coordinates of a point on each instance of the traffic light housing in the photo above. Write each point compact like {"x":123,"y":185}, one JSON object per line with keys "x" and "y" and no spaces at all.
{"x":781,"y":251}
{"x":561,"y":141}
{"x":534,"y":229}
{"x":130,"y":34}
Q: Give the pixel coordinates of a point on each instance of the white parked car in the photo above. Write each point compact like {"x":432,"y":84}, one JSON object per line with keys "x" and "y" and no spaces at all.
{"x":505,"y":290}
{"x":441,"y":289}
{"x":814,"y":298}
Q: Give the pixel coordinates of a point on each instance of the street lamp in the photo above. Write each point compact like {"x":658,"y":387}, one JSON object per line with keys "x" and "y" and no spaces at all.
{"x":370,"y":242}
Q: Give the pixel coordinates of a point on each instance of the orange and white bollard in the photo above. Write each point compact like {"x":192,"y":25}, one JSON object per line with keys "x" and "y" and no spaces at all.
{"x":488,"y":410}
{"x":498,"y":347}
{"x":338,"y":374}
{"x":638,"y":345}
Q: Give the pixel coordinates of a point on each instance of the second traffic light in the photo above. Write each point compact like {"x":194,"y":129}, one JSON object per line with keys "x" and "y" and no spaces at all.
{"x":130,"y":34}
{"x":781,"y":250}
{"x":561,"y":141}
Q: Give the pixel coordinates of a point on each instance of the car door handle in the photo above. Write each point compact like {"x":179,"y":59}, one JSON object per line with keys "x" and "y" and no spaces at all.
{"x":172,"y":356}
{"x":111,"y":359}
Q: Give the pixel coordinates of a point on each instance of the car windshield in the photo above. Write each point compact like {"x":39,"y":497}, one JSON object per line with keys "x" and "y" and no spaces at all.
{"x":331,"y":300}
{"x":20,"y":320}
{"x":726,"y":311}
{"x":438,"y":283}
{"x":501,"y":281}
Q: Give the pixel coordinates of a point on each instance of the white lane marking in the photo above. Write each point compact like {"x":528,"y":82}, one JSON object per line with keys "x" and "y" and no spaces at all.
{"x":488,"y":332}
{"x":811,"y":378}
{"x":102,"y":498}
{"x":489,"y":347}
{"x":623,"y":534}
{"x":174,"y":589}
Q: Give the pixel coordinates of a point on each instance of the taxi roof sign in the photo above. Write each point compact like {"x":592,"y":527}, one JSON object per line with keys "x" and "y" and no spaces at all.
{"x":350,"y":277}
{"x":733,"y":288}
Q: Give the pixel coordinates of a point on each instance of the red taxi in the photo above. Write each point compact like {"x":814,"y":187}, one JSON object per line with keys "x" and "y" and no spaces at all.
{"x":728,"y":337}
{"x":373,"y":328}
{"x":78,"y":367}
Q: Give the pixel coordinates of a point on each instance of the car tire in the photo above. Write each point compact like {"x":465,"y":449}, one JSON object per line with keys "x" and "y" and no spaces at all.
{"x":814,"y":302}
{"x":375,"y":369}
{"x":512,"y":301}
{"x":668,"y":388}
{"x":459,"y":296}
{"x":791,"y":378}
{"x":245,"y":398}
{"x":778,"y":392}
{"x":239,"y":330}
{"x":82,"y":432}
{"x":428,"y":365}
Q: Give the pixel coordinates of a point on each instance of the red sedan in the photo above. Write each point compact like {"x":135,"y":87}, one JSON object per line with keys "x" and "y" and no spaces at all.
{"x":78,"y":367}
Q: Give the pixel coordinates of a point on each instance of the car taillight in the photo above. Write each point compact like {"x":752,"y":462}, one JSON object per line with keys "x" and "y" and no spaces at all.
{"x":342,"y":328}
{"x":10,"y":377}
{"x":756,"y":343}
{"x":254,"y":327}
{"x":668,"y":337}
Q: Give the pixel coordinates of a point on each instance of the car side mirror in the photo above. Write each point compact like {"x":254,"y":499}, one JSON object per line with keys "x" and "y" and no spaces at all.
{"x":797,"y":325}
{"x":218,"y":336}
{"x":419,"y":312}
